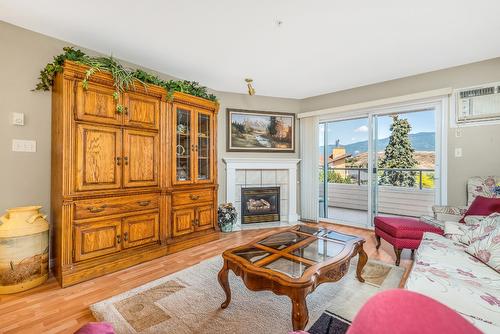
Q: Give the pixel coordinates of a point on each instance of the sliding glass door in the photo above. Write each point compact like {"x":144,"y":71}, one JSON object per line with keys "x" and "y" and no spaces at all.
{"x":386,"y":163}
{"x":404,"y":163}
{"x":343,"y":174}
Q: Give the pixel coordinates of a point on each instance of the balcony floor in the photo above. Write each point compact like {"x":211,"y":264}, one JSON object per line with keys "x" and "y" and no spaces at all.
{"x":352,"y":217}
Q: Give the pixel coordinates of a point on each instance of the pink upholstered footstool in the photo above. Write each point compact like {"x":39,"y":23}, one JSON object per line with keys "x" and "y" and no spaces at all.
{"x":402,"y":233}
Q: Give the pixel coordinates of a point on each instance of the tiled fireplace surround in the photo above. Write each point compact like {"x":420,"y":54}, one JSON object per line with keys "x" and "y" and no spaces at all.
{"x":252,"y":172}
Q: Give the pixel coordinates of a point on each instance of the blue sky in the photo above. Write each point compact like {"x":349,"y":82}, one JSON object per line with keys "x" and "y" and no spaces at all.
{"x":352,"y":131}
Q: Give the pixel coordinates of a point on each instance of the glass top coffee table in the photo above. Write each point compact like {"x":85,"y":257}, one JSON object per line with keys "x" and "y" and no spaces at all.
{"x":293,"y":262}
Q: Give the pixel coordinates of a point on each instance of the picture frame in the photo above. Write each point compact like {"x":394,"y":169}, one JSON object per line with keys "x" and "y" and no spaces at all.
{"x":260,"y":131}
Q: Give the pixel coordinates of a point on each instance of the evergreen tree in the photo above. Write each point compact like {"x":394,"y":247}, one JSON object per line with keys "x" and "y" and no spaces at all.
{"x":272,"y":127}
{"x":398,"y":154}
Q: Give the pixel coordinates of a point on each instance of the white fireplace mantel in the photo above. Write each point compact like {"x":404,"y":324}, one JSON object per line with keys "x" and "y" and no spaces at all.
{"x":233,"y":164}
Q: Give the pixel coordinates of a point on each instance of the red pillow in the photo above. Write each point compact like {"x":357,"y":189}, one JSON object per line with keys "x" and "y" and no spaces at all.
{"x":482,"y":206}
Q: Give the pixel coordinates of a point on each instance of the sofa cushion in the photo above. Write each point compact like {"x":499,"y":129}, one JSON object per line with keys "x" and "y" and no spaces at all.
{"x":405,"y":228}
{"x":444,"y":271}
{"x":482,"y":206}
{"x":478,"y":228}
{"x":435,"y":222}
{"x":487,"y":248}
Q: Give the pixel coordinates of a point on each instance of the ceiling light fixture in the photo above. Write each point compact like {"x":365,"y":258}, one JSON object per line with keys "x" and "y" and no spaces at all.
{"x":251,"y":90}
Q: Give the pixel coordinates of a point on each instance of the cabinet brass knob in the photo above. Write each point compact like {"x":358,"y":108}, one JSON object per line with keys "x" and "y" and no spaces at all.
{"x":125,"y":236}
{"x":125,"y":160}
{"x":143,"y":203}
{"x":118,"y":161}
{"x":194,"y":197}
{"x":118,"y":238}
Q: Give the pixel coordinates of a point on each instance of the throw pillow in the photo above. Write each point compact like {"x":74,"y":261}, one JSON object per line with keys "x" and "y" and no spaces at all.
{"x":487,"y":248}
{"x":478,"y":228}
{"x":473,"y":220}
{"x":453,"y":230}
{"x":482,"y":206}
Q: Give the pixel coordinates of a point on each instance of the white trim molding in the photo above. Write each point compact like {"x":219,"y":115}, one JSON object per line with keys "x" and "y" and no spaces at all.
{"x":379,"y":103}
{"x":233,"y":164}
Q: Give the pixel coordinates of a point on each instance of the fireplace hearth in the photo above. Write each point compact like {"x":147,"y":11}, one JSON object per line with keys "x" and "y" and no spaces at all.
{"x":259,"y":205}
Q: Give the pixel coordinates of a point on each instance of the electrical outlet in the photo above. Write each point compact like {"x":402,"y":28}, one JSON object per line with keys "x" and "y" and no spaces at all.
{"x":19,"y":145}
{"x":458,"y":152}
{"x":17,"y":118}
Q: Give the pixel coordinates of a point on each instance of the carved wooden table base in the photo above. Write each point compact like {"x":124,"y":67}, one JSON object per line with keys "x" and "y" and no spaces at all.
{"x":251,"y":262}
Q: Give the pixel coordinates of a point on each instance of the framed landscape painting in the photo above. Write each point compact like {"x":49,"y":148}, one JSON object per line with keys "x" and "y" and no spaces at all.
{"x":260,"y":131}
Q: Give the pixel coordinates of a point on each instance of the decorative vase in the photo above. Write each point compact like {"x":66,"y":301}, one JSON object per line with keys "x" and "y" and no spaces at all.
{"x":24,"y":249}
{"x":226,"y":227}
{"x":226,"y":216}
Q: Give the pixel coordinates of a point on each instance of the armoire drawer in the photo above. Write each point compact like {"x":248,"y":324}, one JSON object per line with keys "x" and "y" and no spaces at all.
{"x":114,"y":205}
{"x":192,"y":197}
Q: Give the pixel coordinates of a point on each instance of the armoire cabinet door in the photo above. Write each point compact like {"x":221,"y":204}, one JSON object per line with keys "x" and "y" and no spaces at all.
{"x":183,"y":221}
{"x":141,"y":110}
{"x":183,"y":145}
{"x":96,"y":239}
{"x":98,"y":157}
{"x":96,"y":104}
{"x":204,"y":152}
{"x":204,"y":217}
{"x":140,"y":158}
{"x":140,"y":230}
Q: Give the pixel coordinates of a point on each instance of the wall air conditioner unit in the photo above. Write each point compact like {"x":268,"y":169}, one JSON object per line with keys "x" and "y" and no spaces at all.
{"x":479,"y":104}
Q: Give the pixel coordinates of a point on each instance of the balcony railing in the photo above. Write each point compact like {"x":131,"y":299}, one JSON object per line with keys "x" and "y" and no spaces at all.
{"x":347,"y":189}
{"x":354,"y":175}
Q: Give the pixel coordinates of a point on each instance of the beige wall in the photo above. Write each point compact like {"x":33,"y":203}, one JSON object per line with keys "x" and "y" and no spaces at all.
{"x":25,"y":177}
{"x":241,"y":101}
{"x":480,"y":145}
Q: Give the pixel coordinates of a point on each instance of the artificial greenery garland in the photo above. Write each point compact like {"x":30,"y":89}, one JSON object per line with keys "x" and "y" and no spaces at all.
{"x":123,"y":78}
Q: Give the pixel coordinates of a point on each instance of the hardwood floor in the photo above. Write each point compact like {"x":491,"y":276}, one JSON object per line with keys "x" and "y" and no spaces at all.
{"x":51,"y":309}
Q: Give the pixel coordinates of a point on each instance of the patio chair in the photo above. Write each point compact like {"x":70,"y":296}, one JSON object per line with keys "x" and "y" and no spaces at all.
{"x":488,"y":186}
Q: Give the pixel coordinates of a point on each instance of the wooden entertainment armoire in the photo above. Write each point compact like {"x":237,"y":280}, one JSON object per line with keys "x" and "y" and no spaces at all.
{"x":128,"y":186}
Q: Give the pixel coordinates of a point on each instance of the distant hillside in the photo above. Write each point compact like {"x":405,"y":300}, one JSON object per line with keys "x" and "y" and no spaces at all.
{"x":425,"y":159}
{"x":422,"y":141}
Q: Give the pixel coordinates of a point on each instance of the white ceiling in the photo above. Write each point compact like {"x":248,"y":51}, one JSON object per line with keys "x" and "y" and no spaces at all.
{"x":322,"y":46}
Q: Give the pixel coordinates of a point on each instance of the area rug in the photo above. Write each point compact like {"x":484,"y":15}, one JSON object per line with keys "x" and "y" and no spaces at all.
{"x":189,"y":302}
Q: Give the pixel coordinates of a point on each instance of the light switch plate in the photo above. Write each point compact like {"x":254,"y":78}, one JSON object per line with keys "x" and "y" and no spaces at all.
{"x":458,"y":152}
{"x":17,"y":118}
{"x":19,"y":145}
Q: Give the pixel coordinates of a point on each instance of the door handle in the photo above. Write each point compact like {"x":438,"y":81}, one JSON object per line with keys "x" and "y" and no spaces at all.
{"x":143,"y":203}
{"x":118,"y":238}
{"x":125,"y":236}
{"x":126,"y":111}
{"x":125,"y":160}
{"x":194,"y":197}
{"x":118,"y":161}
{"x":94,"y":209}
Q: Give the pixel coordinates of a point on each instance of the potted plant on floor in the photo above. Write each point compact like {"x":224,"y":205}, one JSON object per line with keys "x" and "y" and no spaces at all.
{"x":227,"y":217}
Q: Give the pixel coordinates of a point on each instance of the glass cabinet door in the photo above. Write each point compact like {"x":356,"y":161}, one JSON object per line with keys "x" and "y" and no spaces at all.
{"x":204,"y":146}
{"x":184,"y":147}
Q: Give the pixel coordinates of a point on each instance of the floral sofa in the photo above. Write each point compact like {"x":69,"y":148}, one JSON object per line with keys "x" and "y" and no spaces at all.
{"x":488,"y":186}
{"x":444,"y":271}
